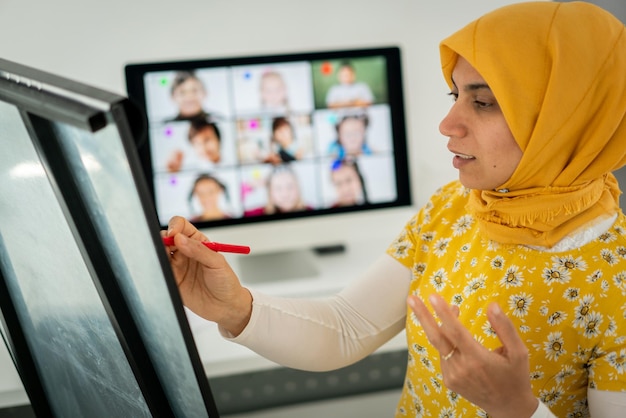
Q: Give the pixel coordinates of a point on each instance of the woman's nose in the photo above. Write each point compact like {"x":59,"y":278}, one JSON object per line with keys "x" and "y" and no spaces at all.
{"x":452,"y":124}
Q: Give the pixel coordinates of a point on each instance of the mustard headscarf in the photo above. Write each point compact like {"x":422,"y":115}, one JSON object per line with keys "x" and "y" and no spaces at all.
{"x":558,"y":71}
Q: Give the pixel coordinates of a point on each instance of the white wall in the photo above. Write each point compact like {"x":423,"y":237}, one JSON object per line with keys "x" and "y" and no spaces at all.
{"x":91,"y":40}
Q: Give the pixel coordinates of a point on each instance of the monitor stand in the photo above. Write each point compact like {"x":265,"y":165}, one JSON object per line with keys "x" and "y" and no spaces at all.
{"x":283,"y":265}
{"x":277,"y":266}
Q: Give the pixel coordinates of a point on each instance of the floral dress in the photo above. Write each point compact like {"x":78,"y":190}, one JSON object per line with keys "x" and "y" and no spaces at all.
{"x":569,"y":307}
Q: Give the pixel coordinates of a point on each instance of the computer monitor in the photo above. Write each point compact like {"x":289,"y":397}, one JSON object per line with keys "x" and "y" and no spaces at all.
{"x":90,"y":312}
{"x":280,"y":152}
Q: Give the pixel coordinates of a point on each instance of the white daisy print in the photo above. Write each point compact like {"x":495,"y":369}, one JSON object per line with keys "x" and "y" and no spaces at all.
{"x":551,"y":397}
{"x":436,"y":384}
{"x":457,"y":299}
{"x":474,"y":285}
{"x":608,"y":236}
{"x":418,"y":269}
{"x":592,"y":325}
{"x":611,"y":329}
{"x":428,"y":236}
{"x":512,"y":278}
{"x":441,"y":247}
{"x":453,"y":397}
{"x":594,"y":276}
{"x":536,"y":375}
{"x":427,"y":364}
{"x":618,"y":361}
{"x":554,"y":346}
{"x":401,"y":249}
{"x":520,"y":304}
{"x":462,"y":225}
{"x":565,"y":372}
{"x":439,"y":278}
{"x":571,"y":294}
{"x":497,"y":262}
{"x":604,"y":286}
{"x":583,"y":310}
{"x":447,"y":413}
{"x":570,"y":263}
{"x":556,"y":275}
{"x":620,"y":279}
{"x":609,"y":257}
{"x":557,"y":317}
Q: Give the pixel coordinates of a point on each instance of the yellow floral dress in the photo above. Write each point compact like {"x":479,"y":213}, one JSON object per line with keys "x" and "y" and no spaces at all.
{"x":569,"y":307}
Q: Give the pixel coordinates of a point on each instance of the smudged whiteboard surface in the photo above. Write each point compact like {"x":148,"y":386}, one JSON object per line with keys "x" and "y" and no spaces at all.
{"x":77,"y":352}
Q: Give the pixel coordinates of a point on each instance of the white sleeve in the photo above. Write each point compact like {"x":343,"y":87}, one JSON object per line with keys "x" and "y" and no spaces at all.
{"x":543,"y":412}
{"x":329,"y":333}
{"x":602,"y":404}
{"x":606,"y":404}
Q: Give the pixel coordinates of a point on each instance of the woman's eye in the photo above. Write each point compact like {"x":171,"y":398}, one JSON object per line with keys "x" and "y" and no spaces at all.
{"x":454,"y":95}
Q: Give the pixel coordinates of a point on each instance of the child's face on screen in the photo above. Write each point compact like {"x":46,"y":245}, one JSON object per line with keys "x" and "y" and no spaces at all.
{"x":284,"y":191}
{"x":283,"y":135}
{"x":346,"y":75}
{"x":352,"y":135}
{"x":347,"y":185}
{"x":207,"y":144}
{"x":208,"y":193}
{"x":188,"y":96}
{"x":273,"y":91}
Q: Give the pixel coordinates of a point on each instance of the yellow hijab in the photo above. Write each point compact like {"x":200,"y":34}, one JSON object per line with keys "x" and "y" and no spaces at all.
{"x":558,"y":71}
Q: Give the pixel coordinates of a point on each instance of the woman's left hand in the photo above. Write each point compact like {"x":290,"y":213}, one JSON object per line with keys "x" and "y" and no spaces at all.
{"x":498,"y":381}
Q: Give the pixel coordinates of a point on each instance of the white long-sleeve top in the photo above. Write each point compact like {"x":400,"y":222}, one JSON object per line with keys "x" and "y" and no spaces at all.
{"x":326,"y":334}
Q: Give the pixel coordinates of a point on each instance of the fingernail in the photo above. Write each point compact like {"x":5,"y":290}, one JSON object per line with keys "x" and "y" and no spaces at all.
{"x":433,"y":300}
{"x":495,"y":309}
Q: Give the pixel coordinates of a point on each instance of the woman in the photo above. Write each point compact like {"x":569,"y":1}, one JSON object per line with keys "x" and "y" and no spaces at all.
{"x":522,"y":260}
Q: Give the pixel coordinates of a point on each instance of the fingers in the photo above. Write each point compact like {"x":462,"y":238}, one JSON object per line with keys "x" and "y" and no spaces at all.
{"x":180,"y":225}
{"x":194,"y":249}
{"x":512,"y":343}
{"x":451,"y":328}
{"x":433,"y":331}
{"x":449,"y":334}
{"x":176,"y":225}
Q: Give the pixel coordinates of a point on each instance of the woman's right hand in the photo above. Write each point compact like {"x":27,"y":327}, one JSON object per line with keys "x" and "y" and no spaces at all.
{"x":207,"y":284}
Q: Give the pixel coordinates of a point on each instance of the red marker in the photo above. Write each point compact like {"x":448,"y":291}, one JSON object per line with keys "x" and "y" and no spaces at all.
{"x":216,"y":246}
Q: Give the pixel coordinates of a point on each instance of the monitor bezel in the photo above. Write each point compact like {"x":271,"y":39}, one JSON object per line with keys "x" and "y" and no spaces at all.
{"x":135,"y":84}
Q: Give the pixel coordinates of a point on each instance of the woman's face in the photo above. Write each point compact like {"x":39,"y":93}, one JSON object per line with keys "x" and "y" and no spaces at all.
{"x":347,"y":186}
{"x":188,"y":96}
{"x":352,"y":135}
{"x":284,"y":192}
{"x":485,"y":152}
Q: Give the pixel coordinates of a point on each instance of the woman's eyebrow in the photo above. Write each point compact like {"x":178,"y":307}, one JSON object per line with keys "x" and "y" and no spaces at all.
{"x":476,"y":86}
{"x":472,"y":86}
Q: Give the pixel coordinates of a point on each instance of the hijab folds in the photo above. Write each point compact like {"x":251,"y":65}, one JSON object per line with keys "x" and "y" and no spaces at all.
{"x":558,"y":71}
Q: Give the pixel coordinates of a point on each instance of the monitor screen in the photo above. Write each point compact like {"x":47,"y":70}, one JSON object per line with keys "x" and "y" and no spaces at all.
{"x":251,"y":139}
